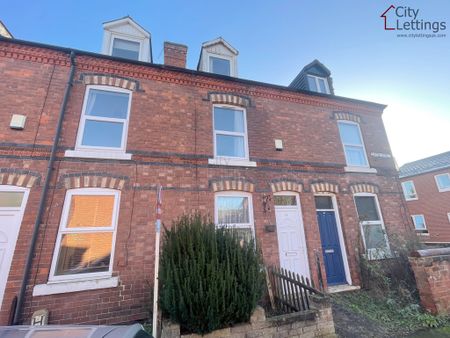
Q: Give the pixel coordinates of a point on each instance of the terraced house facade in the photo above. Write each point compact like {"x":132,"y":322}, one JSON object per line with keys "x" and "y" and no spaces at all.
{"x":309,"y":174}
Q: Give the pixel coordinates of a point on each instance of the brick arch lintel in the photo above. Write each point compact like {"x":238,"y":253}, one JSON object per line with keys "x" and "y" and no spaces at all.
{"x":229,"y":98}
{"x":110,"y":80}
{"x":286,"y":185}
{"x":227,"y":184}
{"x":317,"y":187}
{"x":93,"y":180}
{"x":347,"y":116}
{"x":19,"y":177}
{"x":364,"y":188}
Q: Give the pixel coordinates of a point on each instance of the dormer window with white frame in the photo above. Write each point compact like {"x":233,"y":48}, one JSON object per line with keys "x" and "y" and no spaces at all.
{"x":124,"y":38}
{"x":103,"y":128}
{"x":218,"y":57}
{"x":318,"y":84}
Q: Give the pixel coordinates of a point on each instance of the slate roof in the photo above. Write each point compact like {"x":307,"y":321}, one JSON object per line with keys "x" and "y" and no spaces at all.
{"x":425,"y":165}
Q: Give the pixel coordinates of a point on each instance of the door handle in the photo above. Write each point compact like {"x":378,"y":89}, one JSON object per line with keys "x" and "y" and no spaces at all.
{"x":290,"y":253}
{"x":329,"y":250}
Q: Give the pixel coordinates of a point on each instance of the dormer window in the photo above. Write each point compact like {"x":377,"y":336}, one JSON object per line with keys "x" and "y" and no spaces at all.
{"x":126,"y":49}
{"x":218,"y":57}
{"x":318,"y":84}
{"x":124,"y":38}
{"x":219,"y":65}
{"x":314,"y":77}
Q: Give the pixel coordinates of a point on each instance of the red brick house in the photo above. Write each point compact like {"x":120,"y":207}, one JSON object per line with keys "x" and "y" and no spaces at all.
{"x":426,"y":187}
{"x":86,"y":138}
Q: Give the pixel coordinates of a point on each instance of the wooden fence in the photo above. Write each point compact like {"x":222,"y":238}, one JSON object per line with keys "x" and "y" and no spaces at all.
{"x":288,"y":291}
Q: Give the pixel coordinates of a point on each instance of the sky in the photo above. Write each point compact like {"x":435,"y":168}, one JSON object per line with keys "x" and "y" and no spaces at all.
{"x":276,"y":39}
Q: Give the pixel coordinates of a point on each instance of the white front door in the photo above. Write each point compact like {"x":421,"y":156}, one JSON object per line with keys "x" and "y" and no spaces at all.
{"x":291,"y":234}
{"x":12,"y":204}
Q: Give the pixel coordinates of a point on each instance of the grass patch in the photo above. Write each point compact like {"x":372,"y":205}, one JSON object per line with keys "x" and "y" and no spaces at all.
{"x":389,"y":311}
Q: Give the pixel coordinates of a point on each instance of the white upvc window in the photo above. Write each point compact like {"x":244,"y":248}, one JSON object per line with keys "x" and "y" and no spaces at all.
{"x":443,"y":182}
{"x":86,"y":238}
{"x":234,"y":209}
{"x":352,"y":141}
{"x":220,"y":65}
{"x":125,"y":48}
{"x":409,"y":190}
{"x":103,"y":127}
{"x":372,"y":226}
{"x":230,"y":132}
{"x":448,"y":216}
{"x":419,"y":222}
{"x":318,"y":84}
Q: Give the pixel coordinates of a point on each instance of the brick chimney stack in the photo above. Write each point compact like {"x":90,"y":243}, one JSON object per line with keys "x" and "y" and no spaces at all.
{"x":175,"y":54}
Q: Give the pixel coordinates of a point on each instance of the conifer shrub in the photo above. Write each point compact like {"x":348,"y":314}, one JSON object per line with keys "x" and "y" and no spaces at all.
{"x":209,"y":277}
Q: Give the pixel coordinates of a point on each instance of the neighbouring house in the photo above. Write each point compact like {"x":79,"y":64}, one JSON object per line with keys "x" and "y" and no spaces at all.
{"x":309,"y":174}
{"x":426,"y":187}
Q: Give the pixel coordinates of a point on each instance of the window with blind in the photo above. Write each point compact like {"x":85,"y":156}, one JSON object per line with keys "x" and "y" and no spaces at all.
{"x":85,"y":243}
{"x":234,"y":210}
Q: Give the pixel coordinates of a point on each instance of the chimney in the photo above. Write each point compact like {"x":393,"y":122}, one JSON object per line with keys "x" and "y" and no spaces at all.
{"x":175,"y":54}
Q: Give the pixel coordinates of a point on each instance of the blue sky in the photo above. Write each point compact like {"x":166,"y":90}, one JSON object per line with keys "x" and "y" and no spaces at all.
{"x":276,"y":39}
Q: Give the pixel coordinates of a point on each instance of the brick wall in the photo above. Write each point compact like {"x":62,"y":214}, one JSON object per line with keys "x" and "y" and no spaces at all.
{"x":434,"y":205}
{"x":432,"y":271}
{"x":170,"y":138}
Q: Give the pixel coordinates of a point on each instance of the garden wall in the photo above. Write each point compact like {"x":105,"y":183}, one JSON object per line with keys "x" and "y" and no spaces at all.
{"x":313,"y":323}
{"x":432,"y":271}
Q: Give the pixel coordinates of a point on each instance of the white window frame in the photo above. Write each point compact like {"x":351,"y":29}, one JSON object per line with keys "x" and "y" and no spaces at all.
{"x":316,"y":80}
{"x":210,"y":63}
{"x":424,"y":222}
{"x":98,"y":151}
{"x":373,"y":254}
{"x":414,"y":188}
{"x":350,"y":166}
{"x":251,"y":223}
{"x":448,"y":216}
{"x":231,"y":160}
{"x":64,"y":230}
{"x":127,"y":38}
{"x":437,"y":182}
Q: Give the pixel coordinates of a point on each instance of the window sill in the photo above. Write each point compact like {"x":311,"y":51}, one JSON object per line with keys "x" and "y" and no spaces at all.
{"x":411,"y":199}
{"x":231,"y":162}
{"x":98,"y":154}
{"x":52,"y":288}
{"x":443,"y":190}
{"x":422,"y":233}
{"x":360,"y":170}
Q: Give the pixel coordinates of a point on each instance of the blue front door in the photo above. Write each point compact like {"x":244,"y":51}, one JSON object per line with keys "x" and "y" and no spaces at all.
{"x":331,"y":248}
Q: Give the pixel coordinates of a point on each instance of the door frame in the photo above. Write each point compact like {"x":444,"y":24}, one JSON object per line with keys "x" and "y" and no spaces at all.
{"x":21,"y":211}
{"x":302,"y":227}
{"x":340,"y":234}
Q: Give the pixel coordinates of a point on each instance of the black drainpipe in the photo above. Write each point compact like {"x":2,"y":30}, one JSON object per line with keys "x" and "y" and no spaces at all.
{"x":41,"y":207}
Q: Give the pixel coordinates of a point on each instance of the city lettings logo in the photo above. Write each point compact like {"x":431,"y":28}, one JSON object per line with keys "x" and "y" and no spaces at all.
{"x":410,"y":22}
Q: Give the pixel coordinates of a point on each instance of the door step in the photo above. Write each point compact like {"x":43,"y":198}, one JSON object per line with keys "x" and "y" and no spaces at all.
{"x":342,"y":288}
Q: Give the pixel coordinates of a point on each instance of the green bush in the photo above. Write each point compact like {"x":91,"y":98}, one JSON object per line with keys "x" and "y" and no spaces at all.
{"x":209,"y":277}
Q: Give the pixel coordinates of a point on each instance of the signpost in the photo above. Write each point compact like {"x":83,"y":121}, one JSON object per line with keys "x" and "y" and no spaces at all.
{"x":157,"y":235}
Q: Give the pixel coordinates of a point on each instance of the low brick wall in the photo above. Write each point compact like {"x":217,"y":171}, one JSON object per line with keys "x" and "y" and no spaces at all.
{"x":314,"y":323}
{"x":432,"y":271}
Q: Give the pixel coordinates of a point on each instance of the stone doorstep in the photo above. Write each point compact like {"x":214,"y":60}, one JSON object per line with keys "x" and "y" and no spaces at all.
{"x":343,"y":288}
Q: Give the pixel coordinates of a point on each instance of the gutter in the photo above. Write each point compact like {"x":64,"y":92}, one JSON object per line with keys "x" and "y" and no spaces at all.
{"x":41,"y":206}
{"x":196,"y":73}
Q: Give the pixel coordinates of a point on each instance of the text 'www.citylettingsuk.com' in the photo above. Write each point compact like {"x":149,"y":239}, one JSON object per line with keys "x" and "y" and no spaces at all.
{"x":421,"y":35}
